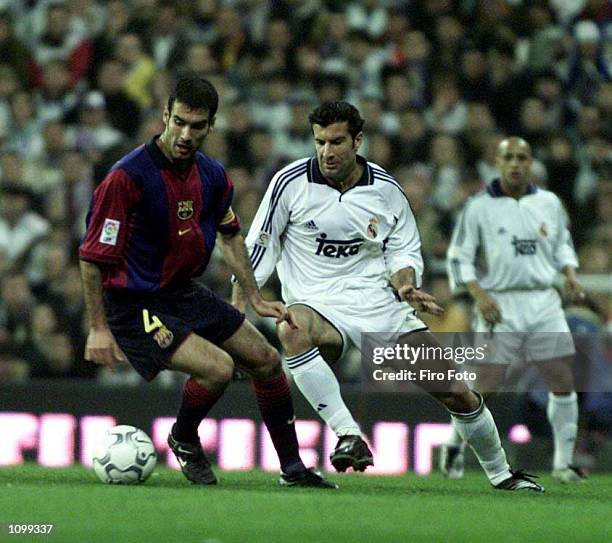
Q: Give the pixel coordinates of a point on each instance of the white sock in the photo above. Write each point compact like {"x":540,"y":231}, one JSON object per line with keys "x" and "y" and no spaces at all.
{"x":479,"y":431}
{"x":455,"y":440}
{"x":562,"y":414}
{"x":319,"y":385}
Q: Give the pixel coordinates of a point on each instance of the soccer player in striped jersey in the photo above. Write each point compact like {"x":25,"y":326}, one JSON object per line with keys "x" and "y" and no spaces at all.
{"x":340,"y":232}
{"x":151,"y":230}
{"x":521,"y":231}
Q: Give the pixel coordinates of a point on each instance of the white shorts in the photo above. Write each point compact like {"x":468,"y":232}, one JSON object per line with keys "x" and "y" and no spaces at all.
{"x":366,"y":311}
{"x":533,"y":328}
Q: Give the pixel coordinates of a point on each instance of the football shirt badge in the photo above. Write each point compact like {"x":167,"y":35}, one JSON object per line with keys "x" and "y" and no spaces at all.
{"x":110,"y":232}
{"x":372,"y":228}
{"x":184,"y":209}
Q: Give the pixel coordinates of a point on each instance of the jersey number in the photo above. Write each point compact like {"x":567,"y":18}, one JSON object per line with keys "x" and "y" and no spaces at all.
{"x":150,"y":324}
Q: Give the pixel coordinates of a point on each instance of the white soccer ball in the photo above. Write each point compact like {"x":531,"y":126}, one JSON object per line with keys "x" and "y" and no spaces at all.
{"x":124,"y":455}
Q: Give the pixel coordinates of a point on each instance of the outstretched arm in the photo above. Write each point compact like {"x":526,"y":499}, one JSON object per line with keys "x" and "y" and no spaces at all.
{"x":404,"y":282}
{"x":236,"y":256}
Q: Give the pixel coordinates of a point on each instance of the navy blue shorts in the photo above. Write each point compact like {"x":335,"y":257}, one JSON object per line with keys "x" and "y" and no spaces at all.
{"x":149,"y":328}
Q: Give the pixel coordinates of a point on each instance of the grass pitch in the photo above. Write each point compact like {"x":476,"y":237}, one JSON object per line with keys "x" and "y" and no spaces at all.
{"x":251,"y":508}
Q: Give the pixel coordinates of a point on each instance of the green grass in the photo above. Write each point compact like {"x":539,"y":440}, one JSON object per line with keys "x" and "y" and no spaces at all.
{"x":251,"y":508}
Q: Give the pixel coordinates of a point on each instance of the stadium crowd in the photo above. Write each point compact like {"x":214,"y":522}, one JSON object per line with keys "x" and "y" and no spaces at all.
{"x":439,"y":83}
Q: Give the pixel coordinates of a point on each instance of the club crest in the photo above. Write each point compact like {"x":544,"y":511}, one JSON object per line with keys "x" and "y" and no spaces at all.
{"x":372,"y":228}
{"x":164,"y":337}
{"x":184,"y":209}
{"x":543,"y":230}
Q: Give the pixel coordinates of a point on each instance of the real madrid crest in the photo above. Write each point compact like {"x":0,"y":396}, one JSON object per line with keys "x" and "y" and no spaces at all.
{"x":543,"y":230}
{"x":372,"y":228}
{"x":184,"y":209}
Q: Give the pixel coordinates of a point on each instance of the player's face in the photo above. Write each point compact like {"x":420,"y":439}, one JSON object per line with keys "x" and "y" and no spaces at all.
{"x":186,"y":129}
{"x":336,"y":150}
{"x":514,"y":163}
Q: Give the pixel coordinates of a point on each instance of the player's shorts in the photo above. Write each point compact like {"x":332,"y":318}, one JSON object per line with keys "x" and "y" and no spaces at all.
{"x":367,"y":311}
{"x":533,"y":328}
{"x":150,"y":328}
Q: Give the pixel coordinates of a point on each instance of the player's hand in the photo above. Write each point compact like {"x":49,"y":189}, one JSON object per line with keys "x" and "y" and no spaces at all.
{"x":488,"y":308}
{"x":574,"y":290}
{"x":102,"y":348}
{"x":278,"y":310}
{"x":420,"y":300}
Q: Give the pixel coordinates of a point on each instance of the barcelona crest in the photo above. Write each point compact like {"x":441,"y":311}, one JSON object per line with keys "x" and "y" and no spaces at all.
{"x":184,"y":209}
{"x":164,"y":337}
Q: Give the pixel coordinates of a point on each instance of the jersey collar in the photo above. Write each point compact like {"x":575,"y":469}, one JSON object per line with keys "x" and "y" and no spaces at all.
{"x":495,"y":190}
{"x":315,"y":175}
{"x":160,"y":160}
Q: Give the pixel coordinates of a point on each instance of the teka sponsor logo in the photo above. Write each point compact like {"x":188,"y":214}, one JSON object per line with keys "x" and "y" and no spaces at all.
{"x":524,"y":247}
{"x":336,"y":248}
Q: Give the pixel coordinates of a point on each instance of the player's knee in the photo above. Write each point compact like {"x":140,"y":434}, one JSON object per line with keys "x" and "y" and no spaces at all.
{"x":269,"y":363}
{"x":294,"y":339}
{"x":219,"y":374}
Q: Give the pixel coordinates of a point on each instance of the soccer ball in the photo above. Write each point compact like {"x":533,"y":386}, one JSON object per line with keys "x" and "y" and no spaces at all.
{"x":124,"y":455}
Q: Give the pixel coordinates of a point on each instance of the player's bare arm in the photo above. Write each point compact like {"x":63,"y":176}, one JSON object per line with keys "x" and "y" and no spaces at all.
{"x":101,"y":346}
{"x":236,"y":257}
{"x":485,"y":302}
{"x":404,"y":281}
{"x":573,"y":288}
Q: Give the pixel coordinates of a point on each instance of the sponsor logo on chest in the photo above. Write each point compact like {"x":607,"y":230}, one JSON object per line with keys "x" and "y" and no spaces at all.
{"x":524,"y":247}
{"x":337,"y":248}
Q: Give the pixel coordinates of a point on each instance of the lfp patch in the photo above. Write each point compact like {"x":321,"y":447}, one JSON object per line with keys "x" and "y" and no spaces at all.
{"x":110,"y":232}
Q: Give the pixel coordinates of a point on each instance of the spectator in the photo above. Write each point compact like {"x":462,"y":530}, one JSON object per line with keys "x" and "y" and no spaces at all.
{"x":139,"y":68}
{"x":123,"y":111}
{"x":60,"y":40}
{"x":21,"y":229}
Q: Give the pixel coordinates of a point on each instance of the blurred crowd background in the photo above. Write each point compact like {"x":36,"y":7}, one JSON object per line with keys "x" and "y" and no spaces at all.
{"x":439,"y":83}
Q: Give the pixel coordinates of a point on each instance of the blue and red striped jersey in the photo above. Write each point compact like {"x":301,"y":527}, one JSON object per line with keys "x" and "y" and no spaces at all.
{"x":151,"y":225}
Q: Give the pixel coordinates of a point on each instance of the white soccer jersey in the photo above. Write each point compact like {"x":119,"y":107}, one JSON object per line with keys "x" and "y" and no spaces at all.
{"x":327,"y":245}
{"x":524,"y":242}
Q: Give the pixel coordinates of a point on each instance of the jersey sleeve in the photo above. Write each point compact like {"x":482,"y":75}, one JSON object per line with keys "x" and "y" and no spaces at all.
{"x":228,"y":221}
{"x":108,"y":218}
{"x":461,"y":254}
{"x":564,"y":254}
{"x":264,"y":238}
{"x":403,"y":246}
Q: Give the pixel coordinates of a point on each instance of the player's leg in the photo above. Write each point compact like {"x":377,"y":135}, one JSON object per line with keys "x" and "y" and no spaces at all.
{"x":157,"y":337}
{"x":262,"y":362}
{"x":307,"y":348}
{"x":452,"y":453}
{"x":472,"y":419}
{"x":210,"y":370}
{"x":562,"y":412}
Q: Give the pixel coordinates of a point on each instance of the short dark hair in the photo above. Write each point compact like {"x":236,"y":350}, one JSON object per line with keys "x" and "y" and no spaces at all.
{"x":197,"y":93}
{"x":338,"y":112}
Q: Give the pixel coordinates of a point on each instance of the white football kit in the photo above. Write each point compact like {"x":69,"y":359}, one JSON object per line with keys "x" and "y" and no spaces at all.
{"x":514,"y":248}
{"x":335,"y":252}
